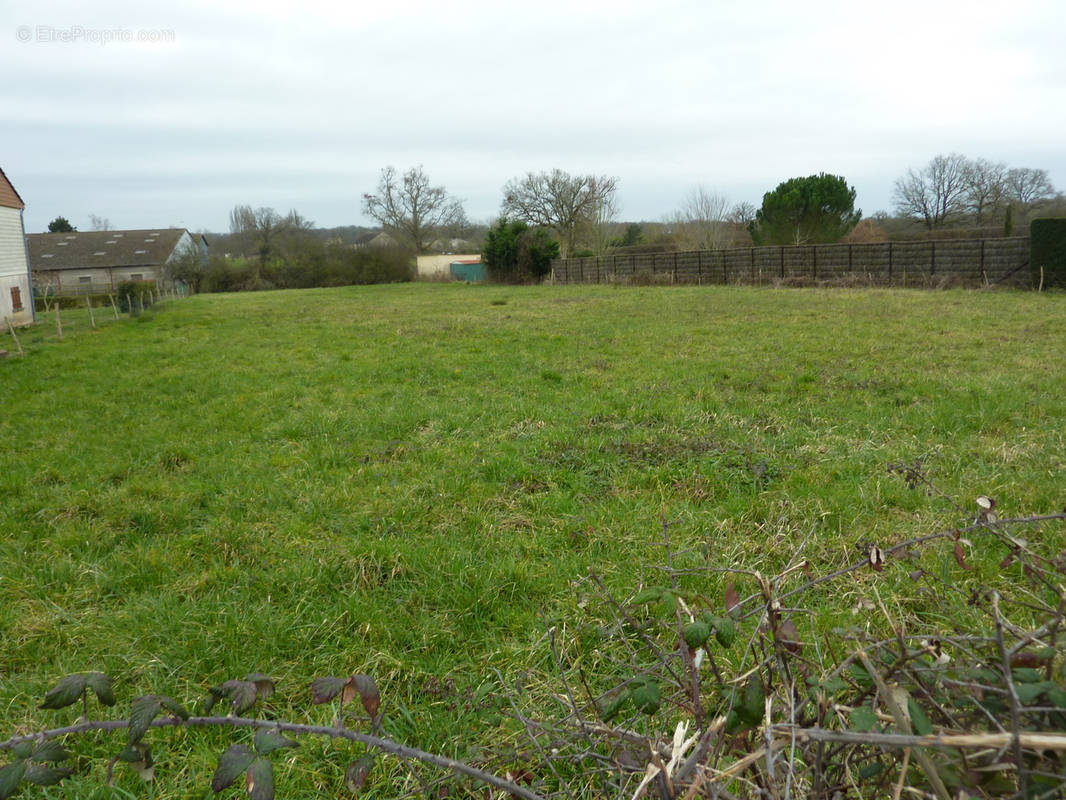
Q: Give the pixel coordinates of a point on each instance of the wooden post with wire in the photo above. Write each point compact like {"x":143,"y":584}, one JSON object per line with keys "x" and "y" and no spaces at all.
{"x":18,"y":345}
{"x":89,"y":305}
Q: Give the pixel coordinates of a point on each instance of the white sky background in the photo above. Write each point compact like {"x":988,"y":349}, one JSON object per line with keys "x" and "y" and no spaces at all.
{"x":300,"y":105}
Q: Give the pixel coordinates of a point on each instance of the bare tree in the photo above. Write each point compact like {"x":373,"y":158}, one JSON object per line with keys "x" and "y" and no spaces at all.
{"x":1027,"y":186}
{"x":986,"y":186}
{"x":595,"y":231}
{"x":99,"y":223}
{"x":702,"y":222}
{"x":411,"y":210}
{"x":935,"y":195}
{"x":262,"y":230}
{"x":559,"y":201}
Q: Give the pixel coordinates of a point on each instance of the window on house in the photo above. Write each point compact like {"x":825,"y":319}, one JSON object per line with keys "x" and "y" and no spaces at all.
{"x":85,"y":279}
{"x":137,"y":276}
{"x":16,"y":298}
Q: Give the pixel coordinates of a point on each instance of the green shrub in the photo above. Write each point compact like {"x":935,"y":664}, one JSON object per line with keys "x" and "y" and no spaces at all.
{"x":134,"y":296}
{"x":515,"y":253}
{"x":1047,"y":251}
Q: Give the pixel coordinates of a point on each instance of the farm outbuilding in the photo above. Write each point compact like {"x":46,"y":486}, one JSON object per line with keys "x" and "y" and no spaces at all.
{"x":16,"y":303}
{"x":440,"y":266}
{"x":467,"y":269}
{"x":93,"y":262}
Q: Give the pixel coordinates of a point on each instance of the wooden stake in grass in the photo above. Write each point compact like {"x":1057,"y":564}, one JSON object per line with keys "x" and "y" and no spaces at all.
{"x":18,"y":345}
{"x":59,"y":323}
{"x":114,"y":307}
{"x":89,"y":305}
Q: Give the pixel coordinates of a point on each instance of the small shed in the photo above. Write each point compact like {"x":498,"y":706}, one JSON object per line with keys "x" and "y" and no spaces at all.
{"x":467,"y":269}
{"x":16,"y":298}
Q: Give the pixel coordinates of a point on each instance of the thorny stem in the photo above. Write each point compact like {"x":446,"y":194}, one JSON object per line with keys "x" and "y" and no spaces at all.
{"x":385,"y":745}
{"x":1012,"y":695}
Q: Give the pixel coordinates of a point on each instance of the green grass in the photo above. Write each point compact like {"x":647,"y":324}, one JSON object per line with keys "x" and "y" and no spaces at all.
{"x":406,"y":480}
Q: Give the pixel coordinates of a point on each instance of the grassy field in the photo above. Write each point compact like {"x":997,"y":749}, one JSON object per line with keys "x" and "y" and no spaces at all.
{"x":407,"y":480}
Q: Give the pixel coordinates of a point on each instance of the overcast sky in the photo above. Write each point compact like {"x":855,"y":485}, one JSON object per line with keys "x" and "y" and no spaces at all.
{"x":300,"y":105}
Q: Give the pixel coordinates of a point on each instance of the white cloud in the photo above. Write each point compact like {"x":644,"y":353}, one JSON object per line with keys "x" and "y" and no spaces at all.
{"x":279,"y":104}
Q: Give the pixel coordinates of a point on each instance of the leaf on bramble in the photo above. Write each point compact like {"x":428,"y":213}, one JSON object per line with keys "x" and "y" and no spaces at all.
{"x":43,"y":775}
{"x":919,"y":720}
{"x":65,"y":693}
{"x":325,"y":689}
{"x":242,"y":695}
{"x":266,"y":742}
{"x":1028,"y":692}
{"x":23,"y":749}
{"x":10,"y":777}
{"x":725,"y":631}
{"x":610,"y":709}
{"x":214,"y":694}
{"x":173,"y":706}
{"x":130,"y":754}
{"x":231,"y":765}
{"x":753,"y":706}
{"x":357,"y":772}
{"x":260,"y":780}
{"x":264,"y":685}
{"x":142,"y":711}
{"x":667,"y":605}
{"x":368,"y":693}
{"x":1057,"y":696}
{"x":860,"y":675}
{"x":696,"y":633}
{"x":862,"y":719}
{"x":139,"y":758}
{"x":877,"y":558}
{"x":646,"y":696}
{"x":101,"y":685}
{"x":1026,"y":675}
{"x":648,"y":595}
{"x":51,"y":751}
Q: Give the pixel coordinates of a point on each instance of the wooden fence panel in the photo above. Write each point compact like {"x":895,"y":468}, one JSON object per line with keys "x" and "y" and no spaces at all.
{"x":962,"y":261}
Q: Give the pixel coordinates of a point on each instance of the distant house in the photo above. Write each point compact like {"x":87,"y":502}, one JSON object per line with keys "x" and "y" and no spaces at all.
{"x":16,"y":298}
{"x":374,"y":239}
{"x":93,"y":262}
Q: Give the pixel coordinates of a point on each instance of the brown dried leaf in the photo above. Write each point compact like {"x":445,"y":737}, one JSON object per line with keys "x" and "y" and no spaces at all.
{"x":877,"y":558}
{"x":368,"y":693}
{"x":357,"y":772}
{"x":1008,"y":559}
{"x":789,"y":636}
{"x":985,"y":503}
{"x":916,"y":575}
{"x":960,"y":556}
{"x":1026,"y":658}
{"x":732,"y":599}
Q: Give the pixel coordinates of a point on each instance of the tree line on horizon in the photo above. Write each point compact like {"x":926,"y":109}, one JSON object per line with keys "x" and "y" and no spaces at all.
{"x":545,"y":215}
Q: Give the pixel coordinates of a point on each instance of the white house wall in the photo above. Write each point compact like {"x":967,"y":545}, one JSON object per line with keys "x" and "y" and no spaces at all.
{"x":14,"y":272}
